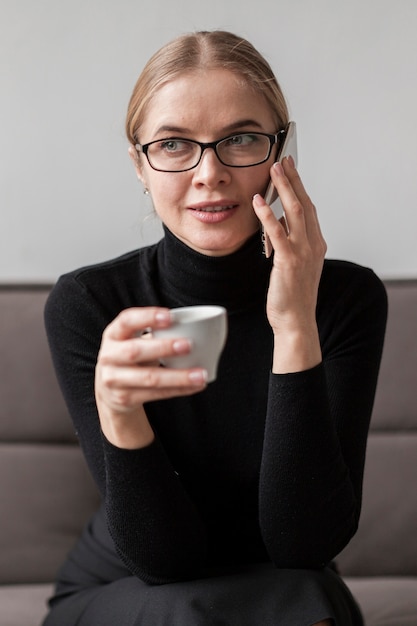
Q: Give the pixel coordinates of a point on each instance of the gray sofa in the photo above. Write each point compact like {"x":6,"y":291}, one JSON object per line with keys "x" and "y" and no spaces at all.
{"x":47,"y":495}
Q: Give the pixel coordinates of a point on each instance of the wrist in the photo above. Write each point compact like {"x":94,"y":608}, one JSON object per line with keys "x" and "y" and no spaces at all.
{"x":127,"y":430}
{"x":296,"y":350}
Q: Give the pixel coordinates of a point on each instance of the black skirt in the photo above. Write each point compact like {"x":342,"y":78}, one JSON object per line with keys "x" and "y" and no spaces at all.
{"x":95,"y":589}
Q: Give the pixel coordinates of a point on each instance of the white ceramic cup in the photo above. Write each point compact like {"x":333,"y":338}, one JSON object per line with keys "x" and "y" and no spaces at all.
{"x":206,"y":327}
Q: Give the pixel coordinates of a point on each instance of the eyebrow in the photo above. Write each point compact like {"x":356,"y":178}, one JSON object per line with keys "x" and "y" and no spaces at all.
{"x":171,"y":128}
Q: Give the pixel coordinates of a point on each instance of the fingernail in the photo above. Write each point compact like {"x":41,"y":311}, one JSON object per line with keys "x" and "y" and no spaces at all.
{"x":291,"y":162}
{"x":198,"y":377}
{"x":181,"y":346}
{"x":163,"y":317}
{"x":278,"y":168}
{"x":257,"y":199}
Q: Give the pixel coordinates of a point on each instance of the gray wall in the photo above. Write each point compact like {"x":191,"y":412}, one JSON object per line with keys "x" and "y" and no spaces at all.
{"x":68,"y":194}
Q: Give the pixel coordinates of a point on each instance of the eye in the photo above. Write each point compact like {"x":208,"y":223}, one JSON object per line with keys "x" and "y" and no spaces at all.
{"x":174,"y":146}
{"x":243,"y":139}
{"x":171,"y":145}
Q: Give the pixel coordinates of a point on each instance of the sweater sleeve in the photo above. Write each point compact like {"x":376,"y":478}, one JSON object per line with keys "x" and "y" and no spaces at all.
{"x":316,"y":430}
{"x":154,"y":525}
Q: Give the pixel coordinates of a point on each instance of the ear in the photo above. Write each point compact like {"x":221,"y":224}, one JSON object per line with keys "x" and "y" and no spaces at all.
{"x":137,"y":165}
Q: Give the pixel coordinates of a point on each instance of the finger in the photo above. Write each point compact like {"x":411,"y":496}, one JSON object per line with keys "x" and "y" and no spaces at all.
{"x":284,"y":224}
{"x":310,"y":212}
{"x":275,"y":229}
{"x":141,"y":350}
{"x":293,"y":207}
{"x":126,"y":400}
{"x":136,"y":319}
{"x":295,"y":181}
{"x":315,"y":229}
{"x":152,"y":382}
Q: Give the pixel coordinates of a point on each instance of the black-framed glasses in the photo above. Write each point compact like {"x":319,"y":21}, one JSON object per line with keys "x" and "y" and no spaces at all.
{"x":176,"y":154}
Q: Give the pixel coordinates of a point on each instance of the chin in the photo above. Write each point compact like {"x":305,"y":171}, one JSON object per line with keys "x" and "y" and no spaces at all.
{"x":211,"y":246}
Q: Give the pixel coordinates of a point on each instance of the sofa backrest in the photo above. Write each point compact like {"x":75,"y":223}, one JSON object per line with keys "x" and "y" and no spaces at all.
{"x":386,"y":541}
{"x":46,"y":493}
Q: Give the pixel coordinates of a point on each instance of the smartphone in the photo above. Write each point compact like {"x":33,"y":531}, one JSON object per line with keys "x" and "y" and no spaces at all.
{"x":288,"y":148}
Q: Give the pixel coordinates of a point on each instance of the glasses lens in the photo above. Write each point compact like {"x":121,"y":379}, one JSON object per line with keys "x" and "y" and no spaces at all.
{"x":173,"y":155}
{"x":244,"y":149}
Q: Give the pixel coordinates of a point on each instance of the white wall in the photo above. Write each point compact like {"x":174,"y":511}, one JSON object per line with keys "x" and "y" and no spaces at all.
{"x":68,"y":195}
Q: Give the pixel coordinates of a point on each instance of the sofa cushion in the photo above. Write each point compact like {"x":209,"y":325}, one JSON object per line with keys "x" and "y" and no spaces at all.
{"x":386,"y":541}
{"x":396,"y":398}
{"x":47,"y":496}
{"x":387,"y":601}
{"x":23,"y":605}
{"x":32,"y":408}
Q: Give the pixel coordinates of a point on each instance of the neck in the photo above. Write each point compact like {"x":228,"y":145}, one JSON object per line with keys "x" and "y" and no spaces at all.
{"x":236,"y":281}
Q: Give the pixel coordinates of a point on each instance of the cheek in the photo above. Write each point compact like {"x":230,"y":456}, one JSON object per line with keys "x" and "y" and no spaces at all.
{"x":167,"y":196}
{"x":258,"y":182}
{"x":167,"y":192}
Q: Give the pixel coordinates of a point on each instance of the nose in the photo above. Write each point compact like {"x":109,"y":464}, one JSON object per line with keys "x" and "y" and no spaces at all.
{"x":210,"y":171}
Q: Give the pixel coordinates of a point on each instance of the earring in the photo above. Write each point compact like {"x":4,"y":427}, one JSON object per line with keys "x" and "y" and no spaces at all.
{"x":146,"y":191}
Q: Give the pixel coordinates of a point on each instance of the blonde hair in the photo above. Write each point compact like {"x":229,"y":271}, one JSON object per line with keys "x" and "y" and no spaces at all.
{"x":204,"y":50}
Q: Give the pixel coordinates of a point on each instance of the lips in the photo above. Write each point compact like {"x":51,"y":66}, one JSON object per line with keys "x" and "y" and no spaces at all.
{"x":214,"y":209}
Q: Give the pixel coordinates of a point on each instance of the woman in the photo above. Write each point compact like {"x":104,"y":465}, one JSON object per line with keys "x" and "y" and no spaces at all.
{"x":223,"y":503}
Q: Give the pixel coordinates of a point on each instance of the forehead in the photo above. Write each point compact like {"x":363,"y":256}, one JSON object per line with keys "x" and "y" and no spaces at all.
{"x":205,"y":102}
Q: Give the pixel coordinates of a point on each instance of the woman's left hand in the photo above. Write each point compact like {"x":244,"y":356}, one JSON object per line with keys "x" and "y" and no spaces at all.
{"x":297,"y":265}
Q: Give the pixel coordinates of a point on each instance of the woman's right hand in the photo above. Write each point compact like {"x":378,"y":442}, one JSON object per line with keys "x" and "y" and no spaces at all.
{"x":128,"y":374}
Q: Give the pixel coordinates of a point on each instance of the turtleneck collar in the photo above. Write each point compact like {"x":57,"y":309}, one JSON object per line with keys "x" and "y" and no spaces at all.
{"x":235,"y":281}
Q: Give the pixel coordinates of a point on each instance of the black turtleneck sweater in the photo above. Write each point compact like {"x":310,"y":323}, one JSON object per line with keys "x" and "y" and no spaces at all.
{"x":258,"y":466}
